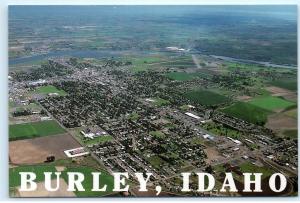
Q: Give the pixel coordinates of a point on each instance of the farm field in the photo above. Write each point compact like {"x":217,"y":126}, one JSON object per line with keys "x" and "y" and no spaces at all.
{"x":248,"y":112}
{"x":180,"y":76}
{"x":207,"y":98}
{"x":30,"y":151}
{"x":286,"y":84}
{"x":35,"y":129}
{"x":271,"y":103}
{"x":50,"y":89}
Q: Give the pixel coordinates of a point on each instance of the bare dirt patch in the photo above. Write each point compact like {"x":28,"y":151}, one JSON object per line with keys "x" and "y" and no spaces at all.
{"x":42,"y":192}
{"x":244,"y":98}
{"x":287,"y":94}
{"x":212,"y":155}
{"x":32,"y":151}
{"x":281,"y":121}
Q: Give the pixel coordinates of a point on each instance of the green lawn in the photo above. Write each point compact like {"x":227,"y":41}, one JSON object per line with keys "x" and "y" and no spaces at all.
{"x":271,"y":103}
{"x":35,"y":129}
{"x":156,"y":161}
{"x":50,"y":89}
{"x":247,"y":112}
{"x":14,"y":176}
{"x":161,"y":102}
{"x":205,"y":97}
{"x":100,"y":139}
{"x":248,"y":167}
{"x":105,"y":178}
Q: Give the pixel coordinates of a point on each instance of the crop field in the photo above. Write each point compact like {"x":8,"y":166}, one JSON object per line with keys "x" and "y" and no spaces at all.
{"x":50,"y":89}
{"x":146,"y":60}
{"x":248,"y":112}
{"x":35,"y":129}
{"x":14,"y":177}
{"x":271,"y":103}
{"x":32,"y":151}
{"x":286,"y":84}
{"x":207,"y":98}
{"x":88,"y":181}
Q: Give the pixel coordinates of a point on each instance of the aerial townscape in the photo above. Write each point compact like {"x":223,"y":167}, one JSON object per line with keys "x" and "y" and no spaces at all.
{"x":153,"y":89}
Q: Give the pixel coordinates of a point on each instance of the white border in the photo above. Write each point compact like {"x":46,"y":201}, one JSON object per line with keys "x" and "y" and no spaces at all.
{"x":4,"y":91}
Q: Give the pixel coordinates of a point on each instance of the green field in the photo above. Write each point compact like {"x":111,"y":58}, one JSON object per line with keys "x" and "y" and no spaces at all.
{"x":14,"y":177}
{"x":105,"y":178}
{"x":219,"y":129}
{"x":50,"y":89}
{"x":271,"y":103}
{"x":293,"y":133}
{"x":160,"y":102}
{"x":286,"y":84}
{"x":247,"y":112}
{"x":156,"y":161}
{"x":146,"y":60}
{"x":100,"y":139}
{"x":180,"y":76}
{"x":35,"y":129}
{"x":207,"y":98}
{"x":248,"y":167}
{"x":158,"y":134}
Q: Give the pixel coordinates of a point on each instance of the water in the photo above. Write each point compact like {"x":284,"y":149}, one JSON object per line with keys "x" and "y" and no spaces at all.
{"x":267,"y":64}
{"x":74,"y":53}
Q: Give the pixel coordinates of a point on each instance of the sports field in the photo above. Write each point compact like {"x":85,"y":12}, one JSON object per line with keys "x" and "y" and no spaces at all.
{"x":35,"y":129}
{"x":271,"y":103}
{"x":205,"y":97}
{"x":50,"y":89}
{"x":248,"y":112}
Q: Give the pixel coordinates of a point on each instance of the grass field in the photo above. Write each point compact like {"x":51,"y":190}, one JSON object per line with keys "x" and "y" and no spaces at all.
{"x":14,"y":177}
{"x":50,"y":89}
{"x":160,"y":102}
{"x":293,"y":133}
{"x":158,"y":134}
{"x":105,"y":178}
{"x":286,"y":84}
{"x":218,"y":129}
{"x":100,"y":139}
{"x":36,"y":129}
{"x":248,"y":167}
{"x":206,"y":97}
{"x":247,"y":112}
{"x":180,"y":76}
{"x":156,"y":161}
{"x":271,"y":103}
